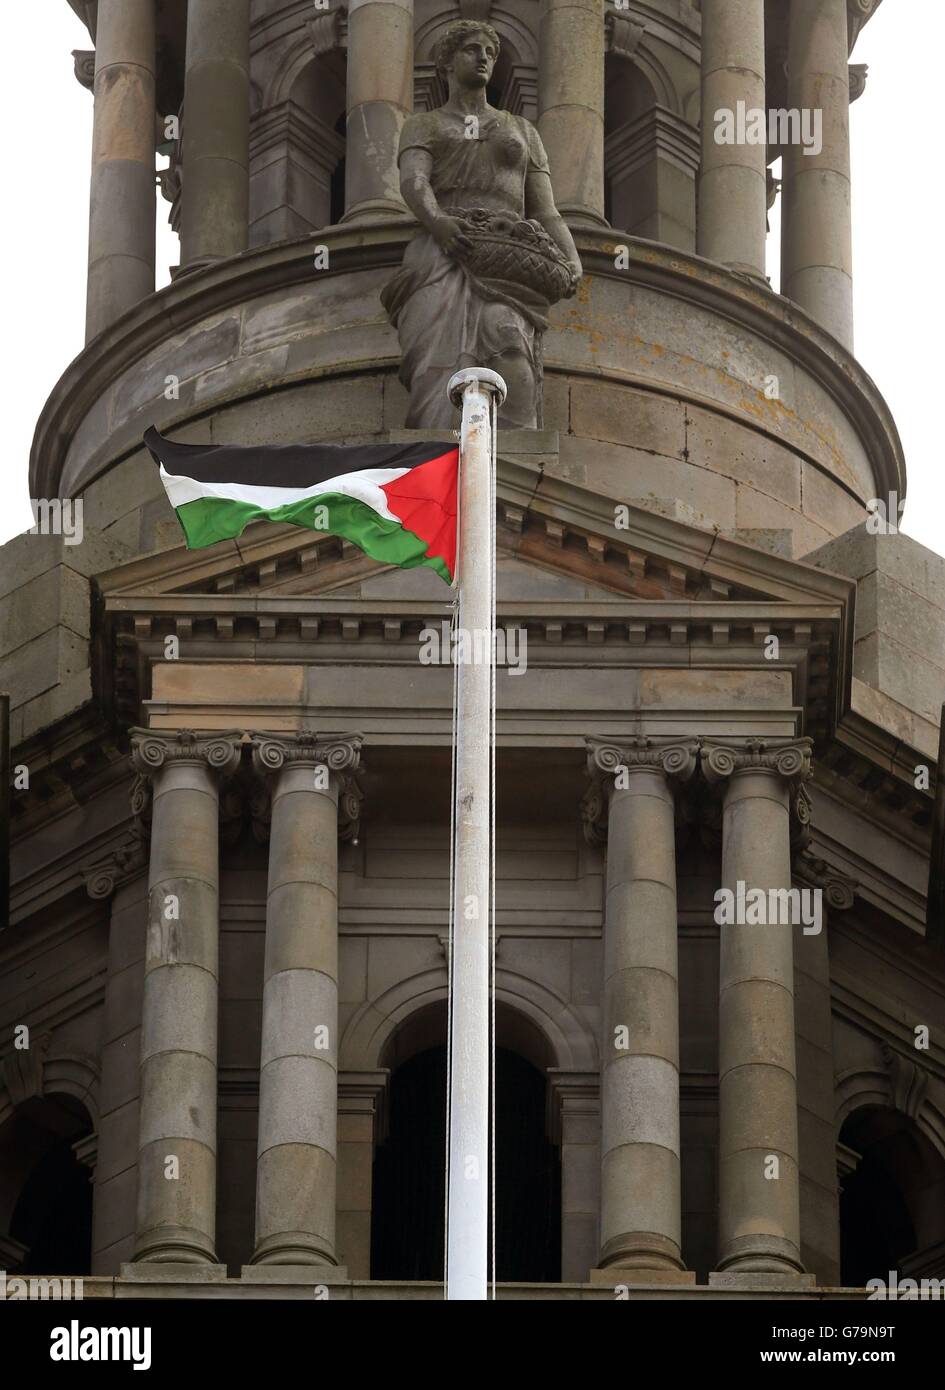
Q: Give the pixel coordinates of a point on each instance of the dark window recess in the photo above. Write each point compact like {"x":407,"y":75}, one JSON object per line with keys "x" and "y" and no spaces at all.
{"x":409,"y":1183}
{"x":53,"y":1216}
{"x":875,"y":1229}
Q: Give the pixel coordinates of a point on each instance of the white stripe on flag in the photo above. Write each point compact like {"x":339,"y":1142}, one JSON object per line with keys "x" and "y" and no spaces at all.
{"x":363,"y":485}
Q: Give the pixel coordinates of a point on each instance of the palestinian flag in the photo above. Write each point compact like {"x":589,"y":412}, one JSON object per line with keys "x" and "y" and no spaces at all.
{"x":397,"y":502}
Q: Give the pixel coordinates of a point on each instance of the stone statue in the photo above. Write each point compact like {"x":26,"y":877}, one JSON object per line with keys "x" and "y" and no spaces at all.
{"x":493,"y":252}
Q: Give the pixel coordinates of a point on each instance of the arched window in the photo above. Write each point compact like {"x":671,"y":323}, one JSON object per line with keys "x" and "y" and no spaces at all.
{"x":892,"y":1199}
{"x":651,"y":158}
{"x":297,"y":145}
{"x":409,"y":1167}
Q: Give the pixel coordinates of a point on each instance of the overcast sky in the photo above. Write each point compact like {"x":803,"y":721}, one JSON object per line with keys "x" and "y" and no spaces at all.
{"x":896,"y":208}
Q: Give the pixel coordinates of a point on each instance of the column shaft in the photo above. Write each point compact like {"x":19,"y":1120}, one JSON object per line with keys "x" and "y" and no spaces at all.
{"x":379,"y":99}
{"x":178,"y":1110}
{"x":571,"y":104}
{"x":817,"y":236}
{"x":298,"y":1078}
{"x":732,"y":184}
{"x":122,"y":193}
{"x":759,"y":1221}
{"x":640,"y":1184}
{"x":215,"y":206}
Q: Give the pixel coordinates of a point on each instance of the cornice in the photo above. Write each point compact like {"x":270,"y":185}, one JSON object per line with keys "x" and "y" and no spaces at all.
{"x":70,"y":762}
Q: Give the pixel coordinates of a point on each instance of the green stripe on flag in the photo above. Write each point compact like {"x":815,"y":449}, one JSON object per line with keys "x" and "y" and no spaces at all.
{"x":211,"y":519}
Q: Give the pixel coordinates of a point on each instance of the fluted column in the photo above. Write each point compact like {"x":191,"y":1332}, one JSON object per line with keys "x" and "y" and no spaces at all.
{"x":122,"y":195}
{"x":640,"y":1170}
{"x":215,"y":205}
{"x":817,"y":235}
{"x":571,"y":104}
{"x":298,"y":1077}
{"x":379,"y":99}
{"x":759,"y":1216}
{"x":733,"y":181}
{"x":176,"y":1215}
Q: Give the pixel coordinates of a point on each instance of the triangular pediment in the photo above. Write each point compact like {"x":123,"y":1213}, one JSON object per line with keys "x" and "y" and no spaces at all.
{"x":555,"y":539}
{"x":572,"y":566}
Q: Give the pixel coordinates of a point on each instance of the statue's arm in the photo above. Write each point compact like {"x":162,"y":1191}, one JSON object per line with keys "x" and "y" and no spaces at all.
{"x":416,"y":190}
{"x":540,"y":205}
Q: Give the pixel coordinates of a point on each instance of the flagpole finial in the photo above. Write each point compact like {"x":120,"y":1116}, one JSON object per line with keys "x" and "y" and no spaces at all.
{"x":482,"y":376}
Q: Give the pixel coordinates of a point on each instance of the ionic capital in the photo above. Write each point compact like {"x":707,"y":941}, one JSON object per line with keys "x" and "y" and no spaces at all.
{"x":340,"y":756}
{"x":274,"y":751}
{"x":608,"y":762}
{"x":155,"y":749}
{"x":675,"y":757}
{"x":721,"y":758}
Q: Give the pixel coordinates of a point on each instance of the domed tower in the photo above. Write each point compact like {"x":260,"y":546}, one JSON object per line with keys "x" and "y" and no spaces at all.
{"x":720,"y":990}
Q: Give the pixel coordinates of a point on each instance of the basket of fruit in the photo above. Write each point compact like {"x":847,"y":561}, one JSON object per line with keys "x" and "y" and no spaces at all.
{"x":515,"y":249}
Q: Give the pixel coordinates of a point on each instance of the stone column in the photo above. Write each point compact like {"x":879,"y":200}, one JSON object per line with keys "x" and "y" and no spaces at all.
{"x":176,"y":1217}
{"x":122,"y":197}
{"x":759,"y":1218}
{"x":380,"y":97}
{"x":640,"y":1184}
{"x":215,"y":207}
{"x":571,"y":104}
{"x":816,"y":234}
{"x":298,"y":1076}
{"x":733,"y":183}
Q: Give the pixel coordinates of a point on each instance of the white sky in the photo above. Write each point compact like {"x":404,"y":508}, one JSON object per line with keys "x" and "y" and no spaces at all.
{"x":896,"y":191}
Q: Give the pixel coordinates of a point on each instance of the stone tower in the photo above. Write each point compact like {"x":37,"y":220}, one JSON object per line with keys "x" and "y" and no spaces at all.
{"x":734,"y":679}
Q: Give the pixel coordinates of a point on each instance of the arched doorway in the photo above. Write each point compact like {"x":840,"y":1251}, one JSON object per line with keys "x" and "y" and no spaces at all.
{"x":409,"y":1180}
{"x":892,"y":1198}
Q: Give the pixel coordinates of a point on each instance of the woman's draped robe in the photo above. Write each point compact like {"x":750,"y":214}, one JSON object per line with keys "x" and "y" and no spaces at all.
{"x":447,"y":317}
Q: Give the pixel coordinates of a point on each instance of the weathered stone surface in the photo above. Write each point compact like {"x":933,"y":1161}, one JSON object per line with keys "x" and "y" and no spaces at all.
{"x":900,"y":615}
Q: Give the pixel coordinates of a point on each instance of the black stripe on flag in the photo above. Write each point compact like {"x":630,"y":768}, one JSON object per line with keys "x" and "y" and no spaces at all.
{"x":284,"y":465}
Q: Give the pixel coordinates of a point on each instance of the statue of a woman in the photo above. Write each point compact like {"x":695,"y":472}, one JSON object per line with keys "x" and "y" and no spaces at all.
{"x":493,"y":251}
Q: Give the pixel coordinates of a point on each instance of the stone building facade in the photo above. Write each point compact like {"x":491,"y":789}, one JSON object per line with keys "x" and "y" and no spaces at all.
{"x":248,"y":730}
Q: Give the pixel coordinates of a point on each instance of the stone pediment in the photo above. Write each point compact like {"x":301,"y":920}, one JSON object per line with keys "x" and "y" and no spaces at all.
{"x":546,"y":523}
{"x":592,"y":582}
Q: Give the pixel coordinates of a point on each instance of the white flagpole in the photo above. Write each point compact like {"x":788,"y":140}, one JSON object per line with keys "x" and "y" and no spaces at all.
{"x":467,"y":1239}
